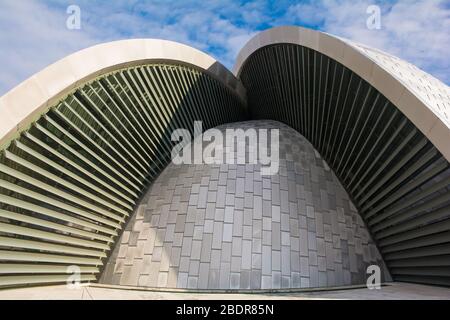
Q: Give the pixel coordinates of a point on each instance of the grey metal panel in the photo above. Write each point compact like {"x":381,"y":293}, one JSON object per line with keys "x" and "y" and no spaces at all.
{"x":251,"y":235}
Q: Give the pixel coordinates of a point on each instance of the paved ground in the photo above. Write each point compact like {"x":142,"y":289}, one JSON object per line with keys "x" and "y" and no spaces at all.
{"x":392,"y":291}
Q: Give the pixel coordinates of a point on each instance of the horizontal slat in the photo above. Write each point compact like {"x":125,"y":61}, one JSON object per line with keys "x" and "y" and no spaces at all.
{"x":57,"y":203}
{"x":52,"y":225}
{"x":35,"y":279}
{"x":422,"y":271}
{"x":440,"y":249}
{"x":34,"y":233}
{"x":410,"y":186}
{"x":45,"y":246}
{"x":43,"y":257}
{"x":427,"y":240}
{"x":443,"y":260}
{"x":439,"y":281}
{"x":97,"y":157}
{"x":136,"y":183}
{"x":58,"y":192}
{"x":54,"y":214}
{"x":78,"y":154}
{"x":427,"y":224}
{"x":408,"y":202}
{"x":9,"y":268}
{"x":77,"y":177}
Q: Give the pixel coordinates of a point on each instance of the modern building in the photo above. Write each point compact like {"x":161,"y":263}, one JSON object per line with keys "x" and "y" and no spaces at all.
{"x":86,"y":177}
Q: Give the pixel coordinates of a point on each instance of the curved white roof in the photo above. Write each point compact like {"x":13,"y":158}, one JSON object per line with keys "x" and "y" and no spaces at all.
{"x":26,"y":102}
{"x":422,"y":98}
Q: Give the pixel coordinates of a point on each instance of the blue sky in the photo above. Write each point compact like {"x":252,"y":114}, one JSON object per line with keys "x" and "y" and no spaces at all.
{"x":33,"y":33}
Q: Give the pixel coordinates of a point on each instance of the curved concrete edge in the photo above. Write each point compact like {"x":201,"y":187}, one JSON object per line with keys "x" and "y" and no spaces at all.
{"x":424,"y":116}
{"x":25,"y":103}
{"x":229,"y":291}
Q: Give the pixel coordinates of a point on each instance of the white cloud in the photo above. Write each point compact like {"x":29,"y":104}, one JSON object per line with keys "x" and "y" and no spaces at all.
{"x":416,"y":31}
{"x":33,"y":33}
{"x":31,"y":37}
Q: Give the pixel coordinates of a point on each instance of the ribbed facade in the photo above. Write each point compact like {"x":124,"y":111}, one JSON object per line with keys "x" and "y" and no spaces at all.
{"x":70,"y":182}
{"x":395,"y":176}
